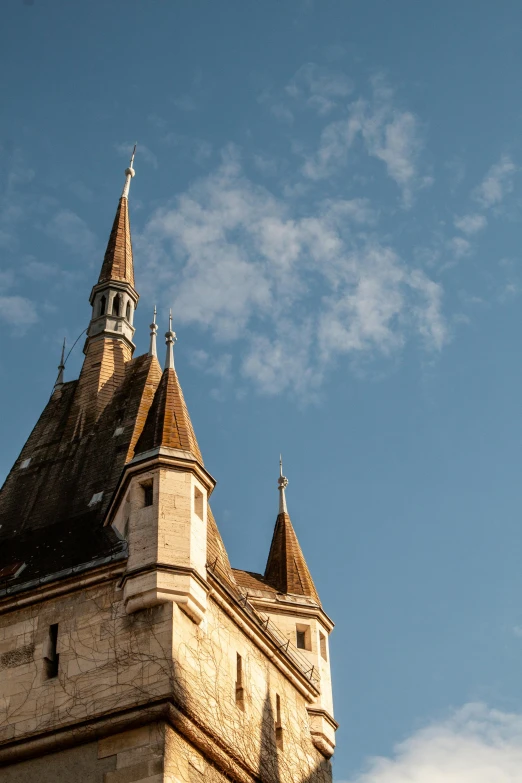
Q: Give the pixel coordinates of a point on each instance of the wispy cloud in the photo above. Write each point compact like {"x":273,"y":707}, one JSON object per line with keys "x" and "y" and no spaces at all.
{"x":72,"y":230}
{"x":474,"y":745}
{"x":319,"y":87}
{"x":497,"y":183}
{"x":388,"y":133}
{"x":470,"y":224}
{"x":296,"y":291}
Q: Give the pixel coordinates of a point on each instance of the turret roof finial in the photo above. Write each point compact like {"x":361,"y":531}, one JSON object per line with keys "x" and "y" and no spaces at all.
{"x":153,"y":333}
{"x":170,"y":339}
{"x":61,"y":367}
{"x":129,"y":173}
{"x":282,"y":483}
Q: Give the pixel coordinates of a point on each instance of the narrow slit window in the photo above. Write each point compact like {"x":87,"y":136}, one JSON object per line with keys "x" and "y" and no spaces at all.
{"x":103,"y":305}
{"x":198,"y":502}
{"x":303,"y":637}
{"x":240,"y":692}
{"x":322,"y":645}
{"x":128,"y":312}
{"x":278,"y":723}
{"x":148,"y":494}
{"x":52,"y":657}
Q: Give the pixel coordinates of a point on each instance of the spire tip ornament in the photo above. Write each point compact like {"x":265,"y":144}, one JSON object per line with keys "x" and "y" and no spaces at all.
{"x":282,"y":484}
{"x":129,"y":174}
{"x":170,"y":339}
{"x":61,"y":367}
{"x":153,"y":333}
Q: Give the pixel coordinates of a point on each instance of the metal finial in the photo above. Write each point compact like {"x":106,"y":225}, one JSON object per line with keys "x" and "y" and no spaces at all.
{"x":61,"y":368}
{"x":170,"y":339}
{"x":282,"y":484}
{"x":153,"y":333}
{"x":129,"y":173}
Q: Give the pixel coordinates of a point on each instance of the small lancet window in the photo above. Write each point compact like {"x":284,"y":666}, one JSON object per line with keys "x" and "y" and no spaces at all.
{"x":198,"y":502}
{"x":103,"y":305}
{"x":116,"y":305}
{"x":278,"y":723}
{"x":52,"y":657}
{"x":128,"y":312}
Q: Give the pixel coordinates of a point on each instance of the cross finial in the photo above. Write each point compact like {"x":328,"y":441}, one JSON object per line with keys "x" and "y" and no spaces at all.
{"x":282,"y":484}
{"x":129,"y":173}
{"x":170,"y":339}
{"x":153,"y":333}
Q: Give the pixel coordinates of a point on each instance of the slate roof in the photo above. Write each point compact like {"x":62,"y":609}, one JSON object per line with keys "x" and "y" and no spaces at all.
{"x":118,"y":262}
{"x":286,"y":569}
{"x":68,"y":483}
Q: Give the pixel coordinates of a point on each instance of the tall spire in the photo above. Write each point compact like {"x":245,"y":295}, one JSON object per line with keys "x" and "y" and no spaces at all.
{"x":61,"y":367}
{"x":282,"y":483}
{"x":286,"y":567}
{"x":118,"y":262}
{"x":170,"y":339}
{"x":129,"y":173}
{"x":153,"y":333}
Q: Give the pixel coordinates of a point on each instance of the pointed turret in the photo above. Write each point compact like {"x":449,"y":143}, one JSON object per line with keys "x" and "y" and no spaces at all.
{"x":286,"y":569}
{"x":168,"y":422}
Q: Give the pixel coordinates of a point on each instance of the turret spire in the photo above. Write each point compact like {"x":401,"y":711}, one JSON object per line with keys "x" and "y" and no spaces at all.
{"x":129,"y":173}
{"x":153,"y":333}
{"x":286,"y":568}
{"x":170,"y":339}
{"x":61,"y":367}
{"x":282,"y":483}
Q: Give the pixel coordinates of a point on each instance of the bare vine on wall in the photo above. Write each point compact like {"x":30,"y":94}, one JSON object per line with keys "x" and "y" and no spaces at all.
{"x":110,"y":660}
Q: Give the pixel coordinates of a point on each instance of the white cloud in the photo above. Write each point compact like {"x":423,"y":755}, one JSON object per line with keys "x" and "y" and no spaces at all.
{"x":295,"y":290}
{"x":470,"y":224}
{"x":18,"y":312}
{"x":388,"y":134}
{"x":497,"y":183}
{"x":474,"y":745}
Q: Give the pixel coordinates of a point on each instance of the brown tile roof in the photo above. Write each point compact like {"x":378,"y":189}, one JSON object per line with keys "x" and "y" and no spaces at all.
{"x":168,"y":421}
{"x":66,"y":470}
{"x":286,"y":569}
{"x":252,"y":581}
{"x":117,"y":263}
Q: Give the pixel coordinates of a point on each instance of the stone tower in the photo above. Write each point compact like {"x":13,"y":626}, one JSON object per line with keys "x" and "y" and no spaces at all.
{"x":130,"y":649}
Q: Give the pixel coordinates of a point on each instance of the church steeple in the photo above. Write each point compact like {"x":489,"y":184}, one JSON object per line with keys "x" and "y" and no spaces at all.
{"x":286,"y":567}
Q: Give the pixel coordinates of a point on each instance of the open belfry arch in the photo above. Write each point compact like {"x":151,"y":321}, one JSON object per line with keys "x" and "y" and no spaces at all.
{"x":130,"y":649}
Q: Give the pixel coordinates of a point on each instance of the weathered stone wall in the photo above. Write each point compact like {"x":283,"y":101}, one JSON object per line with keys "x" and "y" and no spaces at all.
{"x":111,"y":662}
{"x":73,"y":765}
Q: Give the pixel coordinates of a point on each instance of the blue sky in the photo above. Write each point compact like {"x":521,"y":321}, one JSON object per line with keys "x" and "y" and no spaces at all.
{"x":328,"y":195}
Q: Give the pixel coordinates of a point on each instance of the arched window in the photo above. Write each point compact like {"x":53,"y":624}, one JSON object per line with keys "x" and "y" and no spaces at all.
{"x":128,"y":312}
{"x":116,"y":305}
{"x":103,"y":305}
